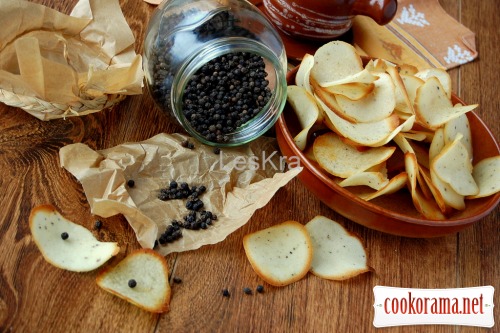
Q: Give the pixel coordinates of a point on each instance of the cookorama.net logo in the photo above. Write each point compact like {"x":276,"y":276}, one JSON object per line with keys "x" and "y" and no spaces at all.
{"x":454,"y":306}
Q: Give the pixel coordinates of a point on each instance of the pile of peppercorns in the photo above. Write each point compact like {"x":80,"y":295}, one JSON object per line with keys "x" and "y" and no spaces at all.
{"x":196,"y":219}
{"x":220,"y":25}
{"x":223,"y":24}
{"x":225,"y":93}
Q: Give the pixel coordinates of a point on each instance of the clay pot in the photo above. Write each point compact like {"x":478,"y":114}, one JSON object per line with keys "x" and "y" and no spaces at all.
{"x":324,"y":19}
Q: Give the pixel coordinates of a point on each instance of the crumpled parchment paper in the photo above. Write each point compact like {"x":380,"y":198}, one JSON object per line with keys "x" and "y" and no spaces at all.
{"x":54,"y":65}
{"x":239,"y":181}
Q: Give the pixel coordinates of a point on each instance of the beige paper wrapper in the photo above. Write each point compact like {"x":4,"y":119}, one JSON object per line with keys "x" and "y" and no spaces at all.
{"x":239,"y":181}
{"x":54,"y":65}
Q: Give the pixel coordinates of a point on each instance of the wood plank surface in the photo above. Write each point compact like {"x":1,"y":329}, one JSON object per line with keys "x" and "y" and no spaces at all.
{"x":37,"y":297}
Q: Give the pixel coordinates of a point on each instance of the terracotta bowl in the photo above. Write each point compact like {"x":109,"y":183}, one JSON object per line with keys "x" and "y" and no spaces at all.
{"x":395,"y":213}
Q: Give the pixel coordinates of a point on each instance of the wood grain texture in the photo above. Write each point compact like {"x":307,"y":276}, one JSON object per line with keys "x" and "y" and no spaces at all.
{"x":37,"y":297}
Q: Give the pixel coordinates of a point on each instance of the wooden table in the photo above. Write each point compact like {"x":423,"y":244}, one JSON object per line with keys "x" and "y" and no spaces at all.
{"x":37,"y":297}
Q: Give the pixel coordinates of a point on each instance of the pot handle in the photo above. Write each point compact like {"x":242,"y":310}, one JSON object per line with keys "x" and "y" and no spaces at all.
{"x":381,"y":11}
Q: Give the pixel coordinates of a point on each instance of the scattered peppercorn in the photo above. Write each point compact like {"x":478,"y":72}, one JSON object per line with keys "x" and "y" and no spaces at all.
{"x":187,"y":144}
{"x":225,"y":293}
{"x":177,"y":279}
{"x":247,"y":291}
{"x":98,"y":224}
{"x":132,"y":283}
{"x":260,"y":289}
{"x":131,"y":183}
{"x":216,"y":150}
{"x":64,"y":235}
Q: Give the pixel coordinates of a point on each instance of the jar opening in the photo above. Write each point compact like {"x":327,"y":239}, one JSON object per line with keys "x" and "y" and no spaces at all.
{"x":246,"y":128}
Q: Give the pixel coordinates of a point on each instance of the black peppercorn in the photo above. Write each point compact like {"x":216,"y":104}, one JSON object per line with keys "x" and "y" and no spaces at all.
{"x":132,"y":283}
{"x":247,"y":291}
{"x":162,"y":240}
{"x":177,"y":279}
{"x":217,"y":150}
{"x":98,"y":224}
{"x":187,"y":144}
{"x":260,"y":288}
{"x":130,"y":183}
{"x":189,"y":204}
{"x":176,"y":234}
{"x":64,"y":235}
{"x":189,"y":218}
{"x":198,"y":205}
{"x":225,"y":293}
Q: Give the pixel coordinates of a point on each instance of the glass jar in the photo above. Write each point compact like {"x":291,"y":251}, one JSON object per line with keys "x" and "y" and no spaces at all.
{"x":187,"y":39}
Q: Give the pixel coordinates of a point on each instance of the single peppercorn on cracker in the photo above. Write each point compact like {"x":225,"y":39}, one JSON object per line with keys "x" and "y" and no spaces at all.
{"x":65,"y":244}
{"x":281,"y":254}
{"x":141,"y":279}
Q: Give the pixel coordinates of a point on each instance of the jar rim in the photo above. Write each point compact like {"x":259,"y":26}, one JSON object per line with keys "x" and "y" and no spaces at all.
{"x":269,"y":113}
